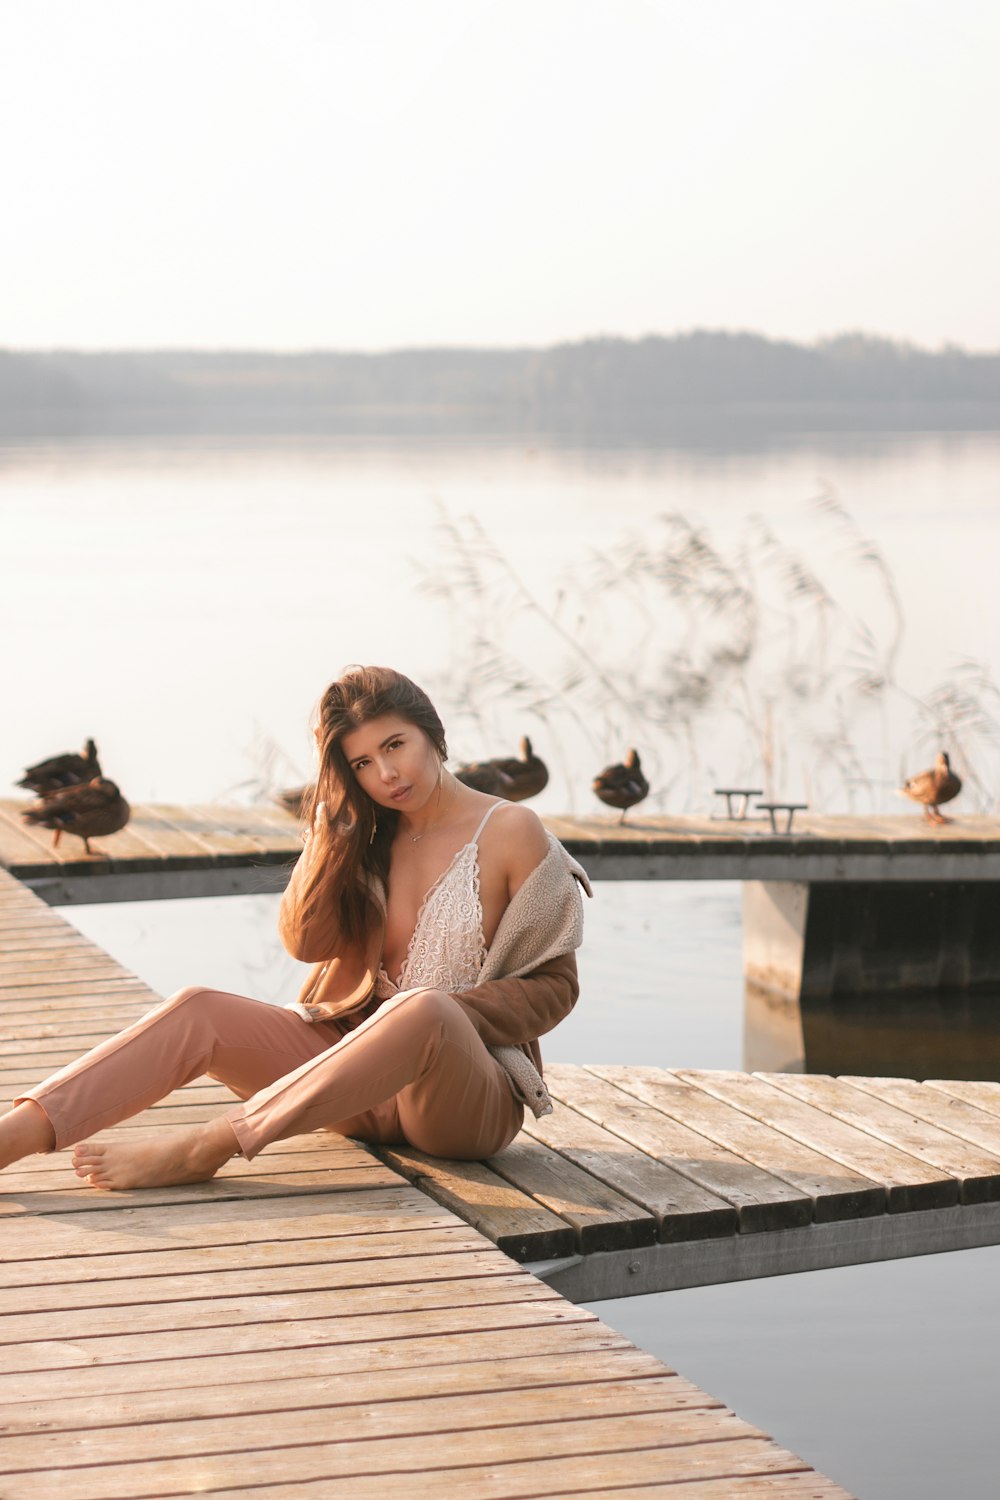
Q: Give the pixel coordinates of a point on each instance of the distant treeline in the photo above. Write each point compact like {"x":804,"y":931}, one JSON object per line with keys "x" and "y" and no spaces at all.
{"x":610,"y":385}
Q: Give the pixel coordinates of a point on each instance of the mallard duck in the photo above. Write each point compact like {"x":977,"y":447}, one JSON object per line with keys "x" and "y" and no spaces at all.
{"x":90,"y":811}
{"x":939,"y":784}
{"x":515,"y":778}
{"x":60,"y":771}
{"x":622,"y":785}
{"x":486,"y":776}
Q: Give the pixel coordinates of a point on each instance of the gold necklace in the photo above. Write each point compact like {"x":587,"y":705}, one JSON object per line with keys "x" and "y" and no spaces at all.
{"x":416,"y":837}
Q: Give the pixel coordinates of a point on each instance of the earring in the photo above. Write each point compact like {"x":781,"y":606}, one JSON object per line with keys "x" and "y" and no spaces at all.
{"x":371,"y":837}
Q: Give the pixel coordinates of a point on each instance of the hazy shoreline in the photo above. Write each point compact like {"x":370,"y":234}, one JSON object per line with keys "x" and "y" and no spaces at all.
{"x":659,"y":389}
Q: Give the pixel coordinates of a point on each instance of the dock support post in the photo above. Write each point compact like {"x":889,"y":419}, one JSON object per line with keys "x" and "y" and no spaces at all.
{"x":823,"y":940}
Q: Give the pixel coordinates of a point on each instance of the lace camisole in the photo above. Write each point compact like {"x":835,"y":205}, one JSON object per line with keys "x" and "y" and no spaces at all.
{"x":447,"y":949}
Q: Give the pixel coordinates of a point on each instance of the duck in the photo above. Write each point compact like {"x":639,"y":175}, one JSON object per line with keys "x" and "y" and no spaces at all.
{"x":486,"y":776}
{"x":59,"y":771}
{"x":93,"y":809}
{"x":939,"y":784}
{"x":515,"y":778}
{"x":622,"y":785}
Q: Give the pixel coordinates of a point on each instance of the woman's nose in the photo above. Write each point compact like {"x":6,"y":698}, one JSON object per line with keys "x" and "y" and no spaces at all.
{"x":387,"y":771}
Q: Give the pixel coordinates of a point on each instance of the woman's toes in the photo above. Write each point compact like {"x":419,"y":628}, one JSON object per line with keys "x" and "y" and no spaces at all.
{"x":87,"y":1159}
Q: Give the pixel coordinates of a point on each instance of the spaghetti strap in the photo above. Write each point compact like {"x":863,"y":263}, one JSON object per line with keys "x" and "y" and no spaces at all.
{"x":486,"y":818}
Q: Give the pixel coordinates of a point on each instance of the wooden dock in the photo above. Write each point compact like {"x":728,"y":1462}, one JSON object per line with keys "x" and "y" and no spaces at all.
{"x":169,"y":850}
{"x":646,"y":1180}
{"x":308,"y":1324}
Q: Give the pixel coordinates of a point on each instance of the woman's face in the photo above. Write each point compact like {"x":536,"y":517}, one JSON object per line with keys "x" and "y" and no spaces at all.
{"x":394,"y":762}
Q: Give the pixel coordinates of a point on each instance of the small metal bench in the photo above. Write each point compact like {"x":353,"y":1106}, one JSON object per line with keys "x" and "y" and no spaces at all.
{"x":745,"y":793}
{"x":791,"y":808}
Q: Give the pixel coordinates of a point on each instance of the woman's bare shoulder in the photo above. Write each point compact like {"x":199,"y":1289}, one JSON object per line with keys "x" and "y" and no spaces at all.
{"x":519,"y":842}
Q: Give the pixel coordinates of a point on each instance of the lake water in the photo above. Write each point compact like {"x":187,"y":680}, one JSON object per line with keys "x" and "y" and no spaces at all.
{"x":185,"y":601}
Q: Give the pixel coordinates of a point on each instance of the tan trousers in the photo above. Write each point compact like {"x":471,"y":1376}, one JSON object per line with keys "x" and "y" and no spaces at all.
{"x":416,"y":1071}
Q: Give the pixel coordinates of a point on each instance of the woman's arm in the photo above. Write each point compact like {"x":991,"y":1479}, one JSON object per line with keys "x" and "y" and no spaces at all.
{"x":509,"y":1012}
{"x":514,"y":1011}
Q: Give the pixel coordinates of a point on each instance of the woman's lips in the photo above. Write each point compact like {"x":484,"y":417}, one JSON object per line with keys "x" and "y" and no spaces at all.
{"x":400,"y":793}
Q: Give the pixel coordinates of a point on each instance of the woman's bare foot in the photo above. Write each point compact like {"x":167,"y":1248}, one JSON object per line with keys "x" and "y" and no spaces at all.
{"x":24,"y":1131}
{"x":181,"y":1156}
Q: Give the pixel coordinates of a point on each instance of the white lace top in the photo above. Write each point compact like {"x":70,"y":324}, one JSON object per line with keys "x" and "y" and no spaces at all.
{"x":447,"y":948}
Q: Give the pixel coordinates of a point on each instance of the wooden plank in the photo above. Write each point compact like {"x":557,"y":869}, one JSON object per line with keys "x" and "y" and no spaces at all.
{"x":908,"y":1183}
{"x":75,"y":1194}
{"x":560,"y":1371}
{"x":530,"y":1334}
{"x":217,"y":828}
{"x":485,"y":1446}
{"x":415,"y":1247}
{"x":518,"y":1225}
{"x":657,"y":1472}
{"x":243,"y":1278}
{"x":976,"y":1169}
{"x":51,"y":978}
{"x":447,"y":1419}
{"x":179,"y":848}
{"x":30,"y":930}
{"x":340,"y":1325}
{"x":17,"y":847}
{"x":126,"y":997}
{"x":805,"y":1485}
{"x":966,"y":1121}
{"x":601,"y":1218}
{"x":15,"y":920}
{"x":205,"y":1222}
{"x":132,"y":1324}
{"x":759,"y":1200}
{"x":87,"y":960}
{"x":830,"y":1189}
{"x":735,"y":1464}
{"x":979,"y":1093}
{"x":26,"y":947}
{"x":681,"y":1208}
{"x":276,"y":832}
{"x":66,"y":992}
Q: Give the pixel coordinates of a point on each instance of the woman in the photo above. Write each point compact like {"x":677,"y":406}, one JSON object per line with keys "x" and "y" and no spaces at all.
{"x":442,"y":925}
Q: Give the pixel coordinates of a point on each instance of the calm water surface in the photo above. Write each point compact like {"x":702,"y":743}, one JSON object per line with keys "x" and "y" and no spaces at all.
{"x":185,"y":601}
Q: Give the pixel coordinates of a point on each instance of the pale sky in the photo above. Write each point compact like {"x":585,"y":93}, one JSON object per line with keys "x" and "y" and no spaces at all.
{"x":370,"y":174}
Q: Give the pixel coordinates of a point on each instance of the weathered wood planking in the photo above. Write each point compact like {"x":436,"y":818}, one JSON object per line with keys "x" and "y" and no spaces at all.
{"x":307,"y":1323}
{"x":681,"y":1178}
{"x":169,"y":850}
{"x":166,"y":850}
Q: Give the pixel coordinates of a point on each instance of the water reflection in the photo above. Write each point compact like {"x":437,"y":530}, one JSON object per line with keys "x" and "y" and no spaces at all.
{"x":924,"y":1034}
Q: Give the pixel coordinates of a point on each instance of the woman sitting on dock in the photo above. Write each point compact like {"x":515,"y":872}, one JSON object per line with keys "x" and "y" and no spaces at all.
{"x":442,"y":925}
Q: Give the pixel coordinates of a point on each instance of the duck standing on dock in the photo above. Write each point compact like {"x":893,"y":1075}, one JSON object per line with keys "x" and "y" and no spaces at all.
{"x":622,"y":785}
{"x":939,"y":784}
{"x":515,"y":779}
{"x":59,"y":771}
{"x":91,"y":810}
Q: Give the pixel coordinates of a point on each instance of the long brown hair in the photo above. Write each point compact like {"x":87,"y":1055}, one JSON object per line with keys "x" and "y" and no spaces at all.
{"x":364,"y":832}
